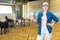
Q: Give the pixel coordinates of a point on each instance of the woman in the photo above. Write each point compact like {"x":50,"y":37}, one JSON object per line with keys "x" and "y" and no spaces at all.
{"x":44,"y":20}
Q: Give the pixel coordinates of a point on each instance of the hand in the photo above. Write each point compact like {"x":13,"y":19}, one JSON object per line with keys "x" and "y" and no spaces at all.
{"x":32,"y":19}
{"x":51,"y":24}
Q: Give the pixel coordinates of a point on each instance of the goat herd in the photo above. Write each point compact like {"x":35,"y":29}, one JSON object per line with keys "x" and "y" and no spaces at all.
{"x":5,"y":25}
{"x":10,"y":23}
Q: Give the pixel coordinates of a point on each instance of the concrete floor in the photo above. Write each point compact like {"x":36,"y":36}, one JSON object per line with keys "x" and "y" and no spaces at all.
{"x":29,"y":33}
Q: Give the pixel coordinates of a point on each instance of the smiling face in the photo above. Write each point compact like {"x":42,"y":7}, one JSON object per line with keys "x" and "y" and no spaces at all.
{"x":45,"y":7}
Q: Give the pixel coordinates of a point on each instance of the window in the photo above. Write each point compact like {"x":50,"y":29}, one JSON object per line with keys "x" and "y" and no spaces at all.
{"x":5,"y":9}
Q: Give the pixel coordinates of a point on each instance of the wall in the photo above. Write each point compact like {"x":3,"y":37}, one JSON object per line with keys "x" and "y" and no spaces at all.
{"x":32,"y":7}
{"x":10,"y":16}
{"x":55,"y":7}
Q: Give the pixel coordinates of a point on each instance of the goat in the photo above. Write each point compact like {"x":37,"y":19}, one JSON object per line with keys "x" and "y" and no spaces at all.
{"x":5,"y":26}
